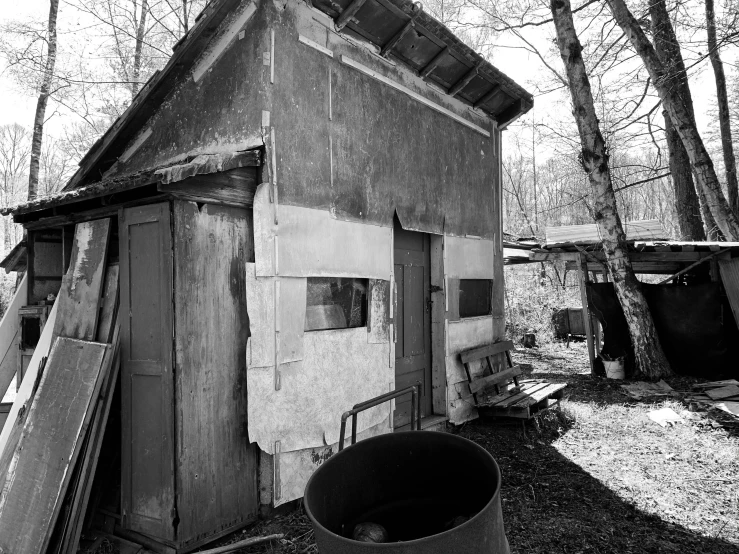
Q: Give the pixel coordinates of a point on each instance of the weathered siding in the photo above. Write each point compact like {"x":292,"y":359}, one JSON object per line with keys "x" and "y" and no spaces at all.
{"x":216,"y":465}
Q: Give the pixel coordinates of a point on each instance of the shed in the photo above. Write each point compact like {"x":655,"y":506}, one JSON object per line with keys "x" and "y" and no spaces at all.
{"x":307,"y":208}
{"x":695,"y":303}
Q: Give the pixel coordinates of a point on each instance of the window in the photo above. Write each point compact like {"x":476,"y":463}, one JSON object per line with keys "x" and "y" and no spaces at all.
{"x":475,"y":297}
{"x":335,"y":303}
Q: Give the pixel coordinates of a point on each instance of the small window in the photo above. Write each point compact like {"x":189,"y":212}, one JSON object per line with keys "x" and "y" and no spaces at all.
{"x":475,"y":297}
{"x":335,"y":303}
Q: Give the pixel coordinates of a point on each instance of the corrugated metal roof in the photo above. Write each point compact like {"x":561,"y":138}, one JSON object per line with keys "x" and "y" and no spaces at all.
{"x":649,"y":229}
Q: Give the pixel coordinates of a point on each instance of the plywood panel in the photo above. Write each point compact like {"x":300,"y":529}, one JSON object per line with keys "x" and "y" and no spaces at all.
{"x":469,"y":258}
{"x":265,"y":231}
{"x":311,"y":243}
{"x":339,"y":369}
{"x":379,"y":305}
{"x":34,"y":481}
{"x":260,"y":302}
{"x":9,"y":327}
{"x":79,"y":296}
{"x":291,"y":302}
{"x":217,"y":465}
{"x":469,"y":333}
{"x":295,"y":468}
{"x":147,"y":479}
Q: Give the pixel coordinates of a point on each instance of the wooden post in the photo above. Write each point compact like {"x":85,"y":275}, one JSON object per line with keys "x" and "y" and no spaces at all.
{"x":583,"y":274}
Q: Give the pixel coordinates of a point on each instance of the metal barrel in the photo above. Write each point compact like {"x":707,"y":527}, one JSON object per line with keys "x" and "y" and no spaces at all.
{"x":415,"y":484}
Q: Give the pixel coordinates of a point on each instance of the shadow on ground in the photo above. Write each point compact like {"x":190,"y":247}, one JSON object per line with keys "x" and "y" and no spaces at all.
{"x":551,"y":505}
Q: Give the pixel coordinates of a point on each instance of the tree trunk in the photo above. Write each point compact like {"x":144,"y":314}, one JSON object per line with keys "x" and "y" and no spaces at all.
{"x":43,"y":99}
{"x":139,"y":47}
{"x":723,"y":109}
{"x":703,"y":170}
{"x":650,"y":359}
{"x":668,"y":50}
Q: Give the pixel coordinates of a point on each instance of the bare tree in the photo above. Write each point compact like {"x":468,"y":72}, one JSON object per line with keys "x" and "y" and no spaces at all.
{"x":723,"y":109}
{"x":43,"y":99}
{"x":703,"y":169}
{"x":15,"y":152}
{"x":650,"y":358}
{"x":676,"y":78}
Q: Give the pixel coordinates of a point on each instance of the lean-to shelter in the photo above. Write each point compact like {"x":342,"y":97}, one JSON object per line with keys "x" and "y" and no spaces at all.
{"x":305,"y":208}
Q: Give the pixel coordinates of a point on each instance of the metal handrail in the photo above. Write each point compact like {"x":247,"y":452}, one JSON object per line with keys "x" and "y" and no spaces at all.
{"x":415,"y":410}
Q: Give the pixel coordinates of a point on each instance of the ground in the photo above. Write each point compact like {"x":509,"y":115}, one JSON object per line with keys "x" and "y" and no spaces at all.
{"x":597,"y":477}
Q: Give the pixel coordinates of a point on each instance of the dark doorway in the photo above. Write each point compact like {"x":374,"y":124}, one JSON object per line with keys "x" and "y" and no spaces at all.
{"x":412,"y":319}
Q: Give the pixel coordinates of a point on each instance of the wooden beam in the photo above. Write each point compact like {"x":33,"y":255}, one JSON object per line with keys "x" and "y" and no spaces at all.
{"x":504,"y":376}
{"x":348,"y":13}
{"x":417,"y":9}
{"x":457,"y":87}
{"x":583,"y":274}
{"x":426,"y":71}
{"x":600,"y":257}
{"x":487,"y":96}
{"x":484,"y":351}
{"x":691,"y":266}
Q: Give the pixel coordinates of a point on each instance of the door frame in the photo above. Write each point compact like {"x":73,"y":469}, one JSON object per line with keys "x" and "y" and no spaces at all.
{"x":438,"y":323}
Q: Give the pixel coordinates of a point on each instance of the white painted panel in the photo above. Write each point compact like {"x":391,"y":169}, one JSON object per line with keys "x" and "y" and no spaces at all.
{"x":339,"y":369}
{"x":314,"y":244}
{"x":469,"y":333}
{"x":9,"y":327}
{"x":291,"y":302}
{"x":295,"y":468}
{"x":460,"y":404}
{"x":29,"y":379}
{"x":265,"y":230}
{"x":260,"y":305}
{"x":468,"y":258}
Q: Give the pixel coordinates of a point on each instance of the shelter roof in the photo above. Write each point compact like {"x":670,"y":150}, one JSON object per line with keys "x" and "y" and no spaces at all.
{"x":581,"y":235}
{"x":17,"y":258}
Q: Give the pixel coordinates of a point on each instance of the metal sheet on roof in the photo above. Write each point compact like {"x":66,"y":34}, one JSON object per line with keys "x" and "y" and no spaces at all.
{"x":648,"y":229}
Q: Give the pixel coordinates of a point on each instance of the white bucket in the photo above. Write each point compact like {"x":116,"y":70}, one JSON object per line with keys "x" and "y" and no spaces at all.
{"x":614,"y":369}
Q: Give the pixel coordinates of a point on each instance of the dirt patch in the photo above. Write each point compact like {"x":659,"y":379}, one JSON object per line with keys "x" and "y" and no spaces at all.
{"x":598,"y":476}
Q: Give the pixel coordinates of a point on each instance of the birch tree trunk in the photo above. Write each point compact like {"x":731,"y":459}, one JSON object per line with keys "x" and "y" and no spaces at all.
{"x":650,"y":359}
{"x":140,"y":31}
{"x":723,"y":109}
{"x":703,"y":170}
{"x":687,"y":205}
{"x":43,"y":99}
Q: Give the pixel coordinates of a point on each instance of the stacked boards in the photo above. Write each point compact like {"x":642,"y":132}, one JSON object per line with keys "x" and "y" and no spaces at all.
{"x":50,"y":450}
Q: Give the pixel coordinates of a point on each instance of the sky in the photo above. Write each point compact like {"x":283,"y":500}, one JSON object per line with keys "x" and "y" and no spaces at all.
{"x":17,"y":105}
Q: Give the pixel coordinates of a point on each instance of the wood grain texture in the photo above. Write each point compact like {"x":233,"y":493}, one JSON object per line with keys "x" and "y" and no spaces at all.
{"x":147,"y":396}
{"x":109,"y":304}
{"x":490,"y":350}
{"x":82,"y":285}
{"x":217,"y":465}
{"x":495,"y":379}
{"x":40,"y":468}
{"x":233,"y":187}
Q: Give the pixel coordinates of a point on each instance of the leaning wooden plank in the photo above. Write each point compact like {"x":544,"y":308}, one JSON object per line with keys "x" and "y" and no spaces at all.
{"x":495,"y":379}
{"x":24,"y":395}
{"x":492,"y":400}
{"x":483,"y":351}
{"x":79,"y":297}
{"x":40,"y":468}
{"x":109,"y":304}
{"x":9,"y":327}
{"x":71,"y":538}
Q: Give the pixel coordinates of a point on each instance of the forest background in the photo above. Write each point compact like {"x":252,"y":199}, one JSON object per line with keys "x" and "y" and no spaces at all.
{"x":107,"y":49}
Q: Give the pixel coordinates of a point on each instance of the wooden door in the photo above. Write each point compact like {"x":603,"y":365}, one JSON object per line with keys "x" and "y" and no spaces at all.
{"x":147,"y":468}
{"x":412,"y":319}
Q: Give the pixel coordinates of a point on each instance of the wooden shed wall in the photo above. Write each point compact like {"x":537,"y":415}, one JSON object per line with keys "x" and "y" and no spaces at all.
{"x":216,"y":465}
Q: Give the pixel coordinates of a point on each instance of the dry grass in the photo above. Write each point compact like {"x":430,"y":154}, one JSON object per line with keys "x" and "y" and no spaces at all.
{"x":599,"y":476}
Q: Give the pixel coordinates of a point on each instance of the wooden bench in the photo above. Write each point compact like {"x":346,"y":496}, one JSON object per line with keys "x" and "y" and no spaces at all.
{"x":498,"y":390}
